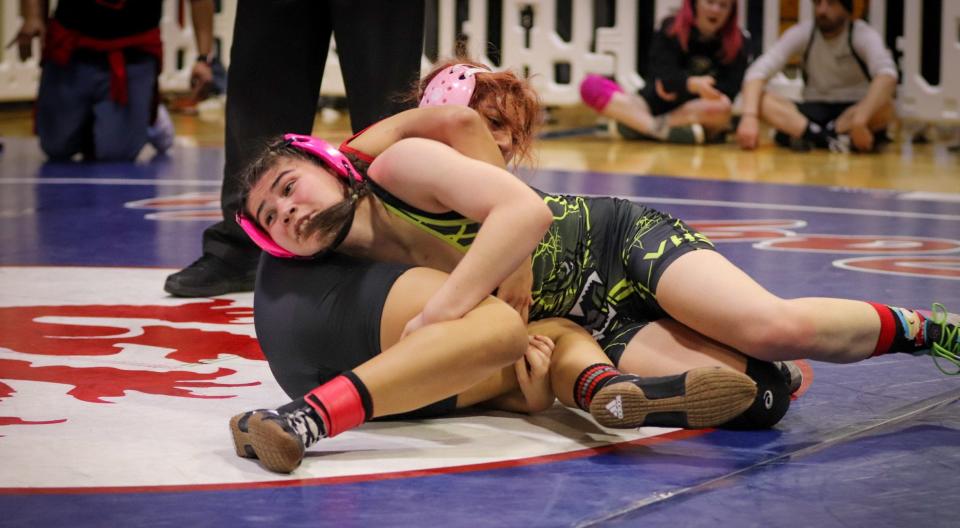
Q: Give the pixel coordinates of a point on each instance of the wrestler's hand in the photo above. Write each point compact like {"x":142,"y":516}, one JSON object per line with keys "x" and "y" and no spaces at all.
{"x":515,"y":289}
{"x":413,"y":325}
{"x":533,"y":373}
{"x":32,"y":27}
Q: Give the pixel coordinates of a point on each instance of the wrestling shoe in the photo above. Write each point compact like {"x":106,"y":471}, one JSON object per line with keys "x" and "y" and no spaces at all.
{"x":618,"y":130}
{"x":209,"y":276}
{"x":944,"y":339}
{"x":278,"y":440}
{"x":702,"y":397}
{"x":795,"y":144}
{"x":687,"y":135}
{"x":792,"y":373}
{"x":240,"y":430}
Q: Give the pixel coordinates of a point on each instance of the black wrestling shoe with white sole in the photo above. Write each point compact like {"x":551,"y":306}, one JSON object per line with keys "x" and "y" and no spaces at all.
{"x":792,"y":373}
{"x":698,"y":398}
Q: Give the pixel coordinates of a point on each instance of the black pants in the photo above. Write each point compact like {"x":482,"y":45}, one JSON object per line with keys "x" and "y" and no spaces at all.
{"x":276,"y":66}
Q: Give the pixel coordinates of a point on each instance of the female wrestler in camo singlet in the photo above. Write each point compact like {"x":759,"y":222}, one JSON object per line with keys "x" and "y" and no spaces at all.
{"x":656,"y":268}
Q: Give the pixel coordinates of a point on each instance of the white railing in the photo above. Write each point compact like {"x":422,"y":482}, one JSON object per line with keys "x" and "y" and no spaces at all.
{"x":917,"y":99}
{"x":615,"y":51}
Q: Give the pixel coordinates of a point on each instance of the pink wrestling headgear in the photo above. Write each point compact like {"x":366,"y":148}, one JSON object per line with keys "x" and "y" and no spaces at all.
{"x":332,"y":159}
{"x":454,"y":85}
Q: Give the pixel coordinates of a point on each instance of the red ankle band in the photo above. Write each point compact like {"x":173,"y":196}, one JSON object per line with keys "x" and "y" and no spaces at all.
{"x":588,"y":382}
{"x":339,"y":402}
{"x":888,"y":328}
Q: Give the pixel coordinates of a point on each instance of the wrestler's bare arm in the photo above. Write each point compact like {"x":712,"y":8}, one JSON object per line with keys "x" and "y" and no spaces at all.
{"x":460,"y":127}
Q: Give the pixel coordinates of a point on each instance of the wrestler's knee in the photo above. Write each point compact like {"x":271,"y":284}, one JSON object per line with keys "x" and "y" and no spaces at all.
{"x":557,"y":328}
{"x":780,"y":331}
{"x":772,"y":399}
{"x":501,"y":331}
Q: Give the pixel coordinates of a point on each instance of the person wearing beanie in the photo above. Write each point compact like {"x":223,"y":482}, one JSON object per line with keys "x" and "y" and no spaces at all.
{"x":849,"y":83}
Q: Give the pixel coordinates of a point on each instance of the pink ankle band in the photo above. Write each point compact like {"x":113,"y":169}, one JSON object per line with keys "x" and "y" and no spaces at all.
{"x":339,"y":402}
{"x":596,"y":91}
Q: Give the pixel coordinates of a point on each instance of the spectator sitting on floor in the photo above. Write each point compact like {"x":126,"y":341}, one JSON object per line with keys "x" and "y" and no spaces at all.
{"x":849,"y":83}
{"x":697,"y":60}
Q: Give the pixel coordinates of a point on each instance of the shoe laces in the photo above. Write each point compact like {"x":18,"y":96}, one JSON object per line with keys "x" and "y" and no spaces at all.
{"x":839,"y":144}
{"x":947,"y":347}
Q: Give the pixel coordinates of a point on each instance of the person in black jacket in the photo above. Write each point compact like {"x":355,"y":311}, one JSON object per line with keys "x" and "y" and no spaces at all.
{"x":697,"y":62}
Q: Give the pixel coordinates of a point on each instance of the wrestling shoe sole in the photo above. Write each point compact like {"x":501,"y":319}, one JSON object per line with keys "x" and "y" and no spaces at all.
{"x":279,"y":449}
{"x":702,"y":397}
{"x":242,"y":439}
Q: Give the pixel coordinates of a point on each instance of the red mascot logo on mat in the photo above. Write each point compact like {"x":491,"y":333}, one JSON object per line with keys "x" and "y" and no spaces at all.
{"x":105,"y":351}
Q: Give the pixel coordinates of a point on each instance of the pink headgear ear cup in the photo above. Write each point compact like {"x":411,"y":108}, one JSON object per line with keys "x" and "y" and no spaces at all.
{"x":452,"y":86}
{"x":331,"y":158}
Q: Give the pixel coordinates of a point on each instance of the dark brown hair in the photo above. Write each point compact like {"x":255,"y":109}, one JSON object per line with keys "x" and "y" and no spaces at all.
{"x":332,"y":219}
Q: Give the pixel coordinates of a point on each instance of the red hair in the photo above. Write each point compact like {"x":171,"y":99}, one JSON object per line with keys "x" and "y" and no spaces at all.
{"x":512,"y":96}
{"x":730,"y":35}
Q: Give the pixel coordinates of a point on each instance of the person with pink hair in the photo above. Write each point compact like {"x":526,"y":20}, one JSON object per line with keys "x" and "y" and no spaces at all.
{"x":697,"y":62}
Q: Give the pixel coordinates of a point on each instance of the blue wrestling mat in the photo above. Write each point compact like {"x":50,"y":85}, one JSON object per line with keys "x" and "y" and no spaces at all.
{"x":114,"y":397}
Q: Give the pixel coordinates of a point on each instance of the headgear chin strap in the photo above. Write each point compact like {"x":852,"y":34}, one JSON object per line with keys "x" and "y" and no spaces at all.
{"x":334,"y":160}
{"x":452,"y":86}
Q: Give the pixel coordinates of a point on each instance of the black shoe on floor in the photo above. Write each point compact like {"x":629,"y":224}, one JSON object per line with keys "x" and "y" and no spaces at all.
{"x":792,"y":143}
{"x":209,"y":276}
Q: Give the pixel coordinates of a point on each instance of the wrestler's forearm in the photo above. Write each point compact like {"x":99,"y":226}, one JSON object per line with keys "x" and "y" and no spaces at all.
{"x":433,"y":176}
{"x":507,"y":237}
{"x":459,"y":127}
